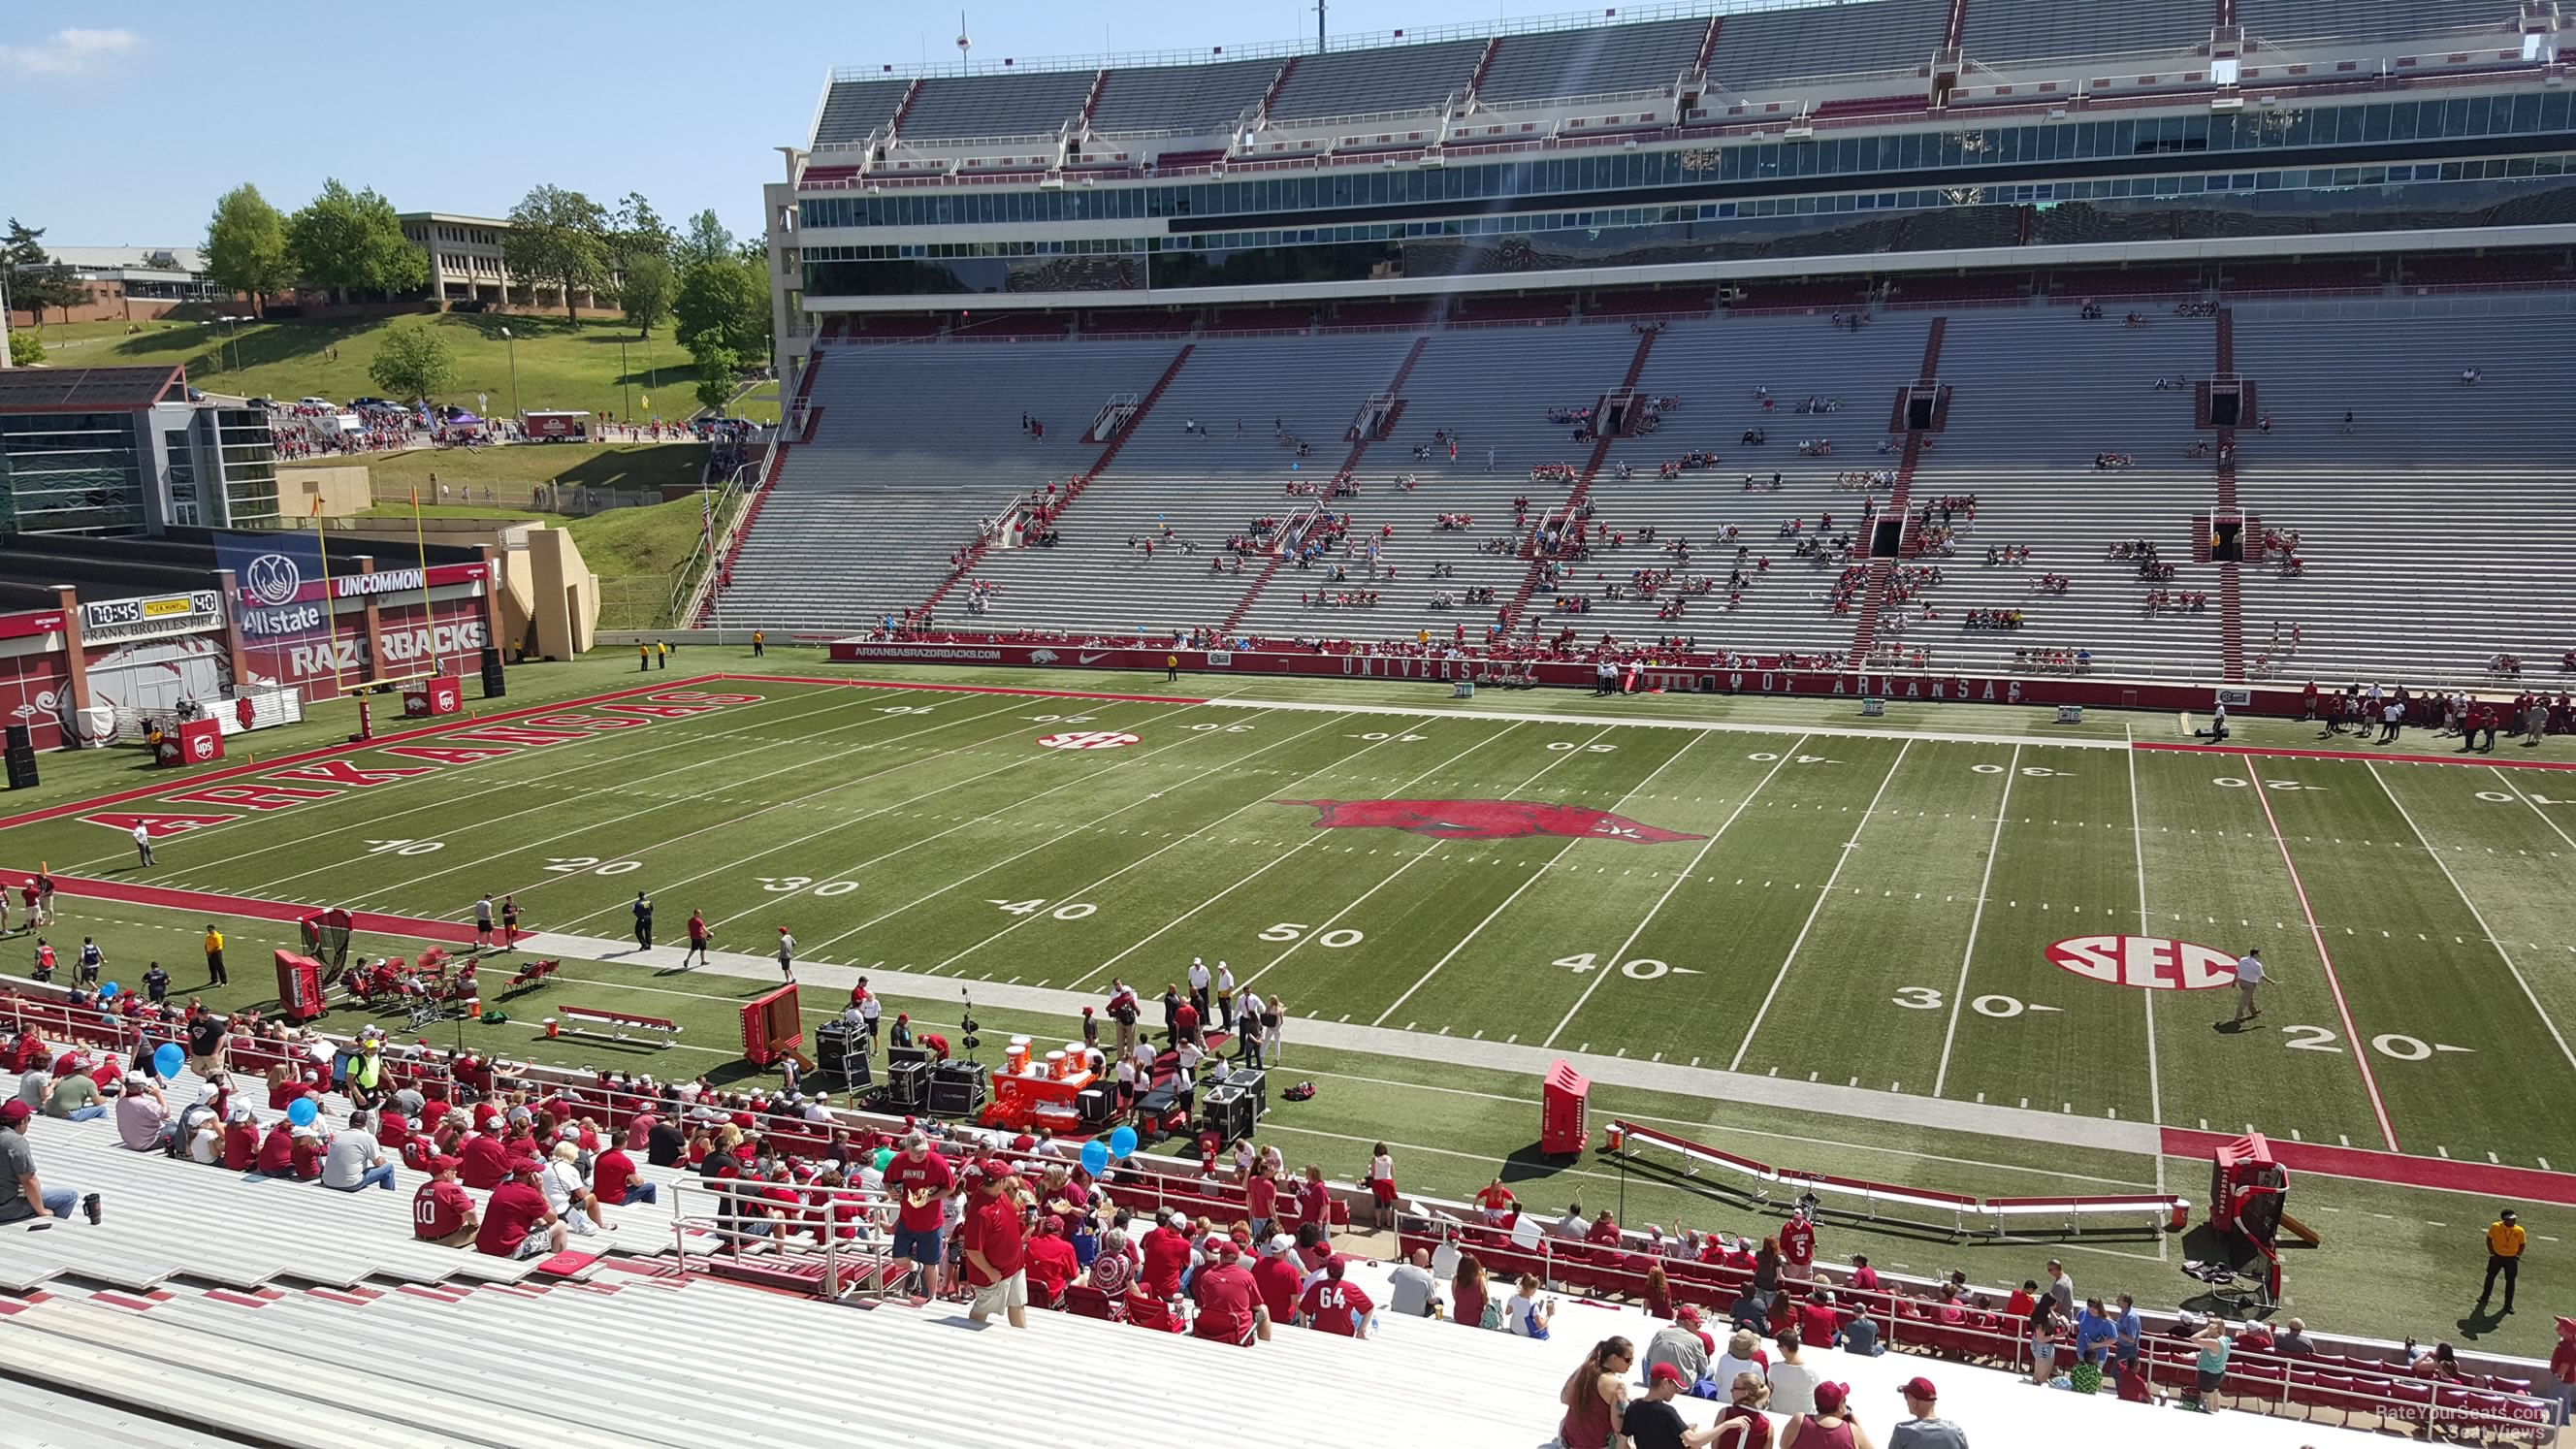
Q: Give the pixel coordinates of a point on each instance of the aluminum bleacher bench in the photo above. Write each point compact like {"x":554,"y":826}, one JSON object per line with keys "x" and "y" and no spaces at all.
{"x":614,"y":1025}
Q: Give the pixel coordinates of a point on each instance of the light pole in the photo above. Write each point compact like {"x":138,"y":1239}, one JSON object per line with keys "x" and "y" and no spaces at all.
{"x":626,"y":381}
{"x":234,"y":335}
{"x":513,"y":344}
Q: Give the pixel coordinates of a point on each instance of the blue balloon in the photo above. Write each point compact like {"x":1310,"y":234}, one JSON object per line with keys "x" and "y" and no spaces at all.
{"x":167,"y":1061}
{"x":1095,"y":1156}
{"x":1122,"y":1142}
{"x":108,"y":992}
{"x":301,"y":1112}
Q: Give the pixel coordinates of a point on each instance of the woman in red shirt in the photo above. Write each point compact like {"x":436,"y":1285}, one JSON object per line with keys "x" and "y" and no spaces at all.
{"x":277,"y":1151}
{"x":1467,"y":1295}
{"x":241,"y":1142}
{"x":1659,"y":1292}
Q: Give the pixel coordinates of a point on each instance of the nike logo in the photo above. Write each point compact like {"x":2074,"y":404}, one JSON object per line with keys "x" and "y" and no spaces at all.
{"x":1087,"y":658}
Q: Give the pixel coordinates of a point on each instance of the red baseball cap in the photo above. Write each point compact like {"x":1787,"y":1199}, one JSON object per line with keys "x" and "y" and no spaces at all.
{"x":1664,"y":1373}
{"x":14,"y":1113}
{"x":445,"y":1164}
{"x":1918,"y":1387}
{"x":1829,"y":1397}
{"x":996,"y":1168}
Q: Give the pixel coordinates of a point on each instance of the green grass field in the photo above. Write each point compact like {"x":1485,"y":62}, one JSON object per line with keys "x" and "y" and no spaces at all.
{"x":561,"y":364}
{"x":1840,"y":908}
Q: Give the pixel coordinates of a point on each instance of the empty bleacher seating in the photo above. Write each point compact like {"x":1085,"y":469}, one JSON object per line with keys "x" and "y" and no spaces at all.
{"x":1366,"y":82}
{"x":2278,"y":20}
{"x":853,"y":109}
{"x":2027,"y":29}
{"x":963,"y":107}
{"x":1765,"y":47}
{"x":1189,"y":100}
{"x":1594,"y":61}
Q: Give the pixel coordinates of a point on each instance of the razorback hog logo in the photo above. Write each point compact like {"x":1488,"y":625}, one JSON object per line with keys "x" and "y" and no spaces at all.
{"x":1486,"y":820}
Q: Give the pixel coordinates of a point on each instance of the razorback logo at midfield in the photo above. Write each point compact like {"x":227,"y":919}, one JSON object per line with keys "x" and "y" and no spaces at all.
{"x":1486,"y":820}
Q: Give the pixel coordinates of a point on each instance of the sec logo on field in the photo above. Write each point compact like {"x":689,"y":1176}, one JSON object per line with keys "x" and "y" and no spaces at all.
{"x":1087,"y":740}
{"x":2153,"y":963}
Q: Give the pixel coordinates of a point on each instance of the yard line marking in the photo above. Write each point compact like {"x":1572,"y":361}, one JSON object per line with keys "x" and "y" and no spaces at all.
{"x":1389,"y":877}
{"x":530,"y":846}
{"x":1317,"y":838}
{"x":1534,"y":878}
{"x":1085,"y":892}
{"x":2155,"y":1072}
{"x":1977,"y":918}
{"x":501,"y":780}
{"x":1072,"y":831}
{"x":2334,"y":983}
{"x":1656,"y":723}
{"x":1619,"y":956}
{"x":1821,"y":897}
{"x":2478,"y":916}
{"x":2534,"y":804}
{"x":844,"y":824}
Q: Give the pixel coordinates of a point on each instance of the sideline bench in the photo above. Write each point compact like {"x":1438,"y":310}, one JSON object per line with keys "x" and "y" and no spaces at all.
{"x":612,"y":1025}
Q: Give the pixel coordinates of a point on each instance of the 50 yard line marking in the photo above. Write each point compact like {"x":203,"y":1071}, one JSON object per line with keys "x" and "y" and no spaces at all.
{"x":2476,"y":915}
{"x":1420,"y":856}
{"x":1619,"y":957}
{"x":1533,"y":878}
{"x":1976,"y":919}
{"x":2155,"y":1075}
{"x":1290,"y":854}
{"x":2334,"y":983}
{"x":1822,"y":895}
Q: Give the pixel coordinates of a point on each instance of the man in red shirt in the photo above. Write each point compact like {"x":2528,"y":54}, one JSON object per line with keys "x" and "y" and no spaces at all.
{"x":1315,"y":1200}
{"x":1335,"y":1306}
{"x":613,"y":1179}
{"x":1275,"y":1274}
{"x":1167,"y":1255}
{"x":441,"y":1211}
{"x":1052,"y":1262}
{"x":1604,"y":1231}
{"x":1798,"y":1246}
{"x":996,"y":1248}
{"x":516,"y":1210}
{"x":1261,"y":1199}
{"x":1230,"y":1310}
{"x":918,"y":1178}
{"x":483,"y":1163}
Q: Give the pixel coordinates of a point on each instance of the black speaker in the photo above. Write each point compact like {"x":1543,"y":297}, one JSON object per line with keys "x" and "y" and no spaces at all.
{"x":493,"y":685}
{"x":957,"y":1089}
{"x":20,"y":737}
{"x":908,"y":1086}
{"x":2226,"y":407}
{"x":1256,"y":1085}
{"x":22,"y":769}
{"x":897,"y":1056}
{"x":1093,"y":1105}
{"x":1227,"y":1112}
{"x":841,"y":1055}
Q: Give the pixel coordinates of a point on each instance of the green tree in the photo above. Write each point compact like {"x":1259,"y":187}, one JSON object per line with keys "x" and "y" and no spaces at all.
{"x":638,"y":229}
{"x":705,"y":240}
{"x":718,"y":366}
{"x":558,"y":237}
{"x":413,"y":361}
{"x":346,"y":241}
{"x":36,"y":282}
{"x":246,"y":246}
{"x":724,"y":304}
{"x":26,"y":349}
{"x":644,"y":290}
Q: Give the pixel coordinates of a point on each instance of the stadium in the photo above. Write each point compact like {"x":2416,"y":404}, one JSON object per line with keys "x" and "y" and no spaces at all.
{"x":1269,"y":744}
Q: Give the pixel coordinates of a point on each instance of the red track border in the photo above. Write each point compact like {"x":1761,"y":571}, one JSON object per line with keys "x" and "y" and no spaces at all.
{"x":2477,"y":761}
{"x":2397,"y":1169}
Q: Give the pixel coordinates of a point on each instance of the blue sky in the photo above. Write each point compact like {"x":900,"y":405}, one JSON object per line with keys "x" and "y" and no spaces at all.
{"x":125,"y":121}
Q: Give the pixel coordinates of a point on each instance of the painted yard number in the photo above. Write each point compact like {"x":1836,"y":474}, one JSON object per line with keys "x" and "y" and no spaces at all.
{"x":2499,"y":797}
{"x":1069,"y":911}
{"x":1212,"y":729}
{"x":1060,"y":719}
{"x":404,"y":847}
{"x":904,"y":708}
{"x":589,"y":865}
{"x":2232,"y":783}
{"x":2001,"y":1008}
{"x":1587,"y":749}
{"x":1293,"y":931}
{"x":1766,"y":756}
{"x":2393,"y":1045}
{"x":1641,"y":969}
{"x":789,"y":884}
{"x":2035,"y":772}
{"x":1385,"y":735}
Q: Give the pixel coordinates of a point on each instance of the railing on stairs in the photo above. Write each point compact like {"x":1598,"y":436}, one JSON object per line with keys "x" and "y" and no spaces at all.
{"x":1900,"y":506}
{"x":1572,"y":507}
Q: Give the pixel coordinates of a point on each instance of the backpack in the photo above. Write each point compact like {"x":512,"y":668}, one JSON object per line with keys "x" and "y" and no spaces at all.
{"x":1303,"y":1091}
{"x":2085,"y":1377}
{"x":1492,"y":1317}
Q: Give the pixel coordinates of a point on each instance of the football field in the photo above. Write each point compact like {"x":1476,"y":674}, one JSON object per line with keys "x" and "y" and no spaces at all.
{"x":2042,"y":924}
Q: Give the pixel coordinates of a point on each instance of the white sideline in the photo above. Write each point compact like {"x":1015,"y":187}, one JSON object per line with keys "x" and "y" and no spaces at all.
{"x":1957,"y":737}
{"x":2141,"y":1138}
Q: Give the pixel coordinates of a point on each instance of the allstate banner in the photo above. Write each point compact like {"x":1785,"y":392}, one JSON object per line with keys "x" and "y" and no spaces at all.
{"x":277,"y":579}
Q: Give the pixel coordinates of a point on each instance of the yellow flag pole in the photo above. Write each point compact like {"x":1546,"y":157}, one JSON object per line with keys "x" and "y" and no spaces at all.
{"x":330,"y":616}
{"x":428,"y":615}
